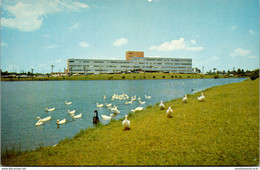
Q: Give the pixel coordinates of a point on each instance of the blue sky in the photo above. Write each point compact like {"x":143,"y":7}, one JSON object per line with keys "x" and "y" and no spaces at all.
{"x":220,"y":34}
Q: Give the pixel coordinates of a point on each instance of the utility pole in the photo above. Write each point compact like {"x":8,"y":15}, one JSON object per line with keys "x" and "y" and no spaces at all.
{"x":52,"y":68}
{"x":84,"y":67}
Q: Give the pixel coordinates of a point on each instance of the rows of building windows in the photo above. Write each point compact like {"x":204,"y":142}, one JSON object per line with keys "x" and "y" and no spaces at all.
{"x":137,"y":63}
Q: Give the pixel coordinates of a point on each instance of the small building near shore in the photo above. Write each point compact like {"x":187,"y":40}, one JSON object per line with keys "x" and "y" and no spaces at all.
{"x":56,"y":74}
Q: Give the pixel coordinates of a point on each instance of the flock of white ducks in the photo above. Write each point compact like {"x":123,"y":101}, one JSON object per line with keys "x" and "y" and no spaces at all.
{"x":58,"y":122}
{"x":184,"y":100}
{"x":125,"y":97}
{"x":114,"y":109}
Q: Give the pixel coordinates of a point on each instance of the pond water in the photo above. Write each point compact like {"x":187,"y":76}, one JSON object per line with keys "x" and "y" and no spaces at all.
{"x":22,"y":102}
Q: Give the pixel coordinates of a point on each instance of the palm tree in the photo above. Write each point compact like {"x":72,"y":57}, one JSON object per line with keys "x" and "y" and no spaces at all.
{"x":214,"y":70}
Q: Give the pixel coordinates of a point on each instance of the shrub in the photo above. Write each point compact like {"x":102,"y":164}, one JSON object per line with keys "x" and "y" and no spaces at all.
{"x":216,"y":76}
{"x":255,"y":74}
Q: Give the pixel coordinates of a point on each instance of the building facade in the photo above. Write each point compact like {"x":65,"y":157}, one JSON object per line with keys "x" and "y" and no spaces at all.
{"x":130,"y":54}
{"x":148,"y":64}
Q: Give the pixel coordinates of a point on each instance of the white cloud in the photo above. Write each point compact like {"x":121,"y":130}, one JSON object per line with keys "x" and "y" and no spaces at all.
{"x":194,"y":48}
{"x":177,"y":45}
{"x":251,"y":32}
{"x":239,"y":52}
{"x":120,"y":42}
{"x":74,"y":27}
{"x":253,"y":57}
{"x":193,"y":42}
{"x":233,"y":28}
{"x":83,"y":44}
{"x":57,"y":61}
{"x":214,"y":58}
{"x":153,"y":1}
{"x":3,"y":44}
{"x":52,"y":46}
{"x":28,"y":15}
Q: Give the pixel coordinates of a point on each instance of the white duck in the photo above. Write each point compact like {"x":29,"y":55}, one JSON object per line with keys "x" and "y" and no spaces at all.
{"x":61,"y":122}
{"x":104,"y":97}
{"x":133,"y":110}
{"x":116,"y":111}
{"x":68,"y":103}
{"x":49,"y":110}
{"x":77,"y":116}
{"x":126,"y":123}
{"x":72,"y":112}
{"x":100,"y":105}
{"x":107,"y":117}
{"x":201,"y":98}
{"x":169,"y":112}
{"x":39,"y":123}
{"x":148,"y":97}
{"x":114,"y":108}
{"x":108,"y":105}
{"x":161,"y":105}
{"x":141,"y":102}
{"x":130,"y":102}
{"x":139,"y":109}
{"x":44,"y":119}
{"x":185,"y":99}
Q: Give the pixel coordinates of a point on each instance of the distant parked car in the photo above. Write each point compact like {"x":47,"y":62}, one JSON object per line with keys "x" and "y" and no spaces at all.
{"x":88,"y":74}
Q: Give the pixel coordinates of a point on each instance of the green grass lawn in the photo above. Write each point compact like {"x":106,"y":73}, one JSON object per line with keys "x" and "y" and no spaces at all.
{"x":223,"y":130}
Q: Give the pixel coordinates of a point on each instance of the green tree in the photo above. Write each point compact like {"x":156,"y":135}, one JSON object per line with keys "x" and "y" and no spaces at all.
{"x":254,"y":74}
{"x":238,"y":71}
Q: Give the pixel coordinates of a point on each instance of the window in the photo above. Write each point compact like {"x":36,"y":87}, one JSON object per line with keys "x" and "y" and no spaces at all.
{"x":98,"y":61}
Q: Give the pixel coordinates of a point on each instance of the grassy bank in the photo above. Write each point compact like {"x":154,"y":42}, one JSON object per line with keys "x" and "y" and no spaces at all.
{"x":223,"y":130}
{"x":133,"y":76}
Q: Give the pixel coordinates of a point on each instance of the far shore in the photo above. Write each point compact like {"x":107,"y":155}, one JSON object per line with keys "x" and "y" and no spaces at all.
{"x":132,"y":76}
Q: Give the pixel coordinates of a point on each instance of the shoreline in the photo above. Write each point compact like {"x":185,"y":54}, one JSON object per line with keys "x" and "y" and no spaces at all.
{"x":132,"y":76}
{"x":117,"y":125}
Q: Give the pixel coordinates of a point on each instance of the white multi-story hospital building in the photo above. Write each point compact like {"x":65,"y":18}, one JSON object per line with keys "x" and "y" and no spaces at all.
{"x":135,"y":60}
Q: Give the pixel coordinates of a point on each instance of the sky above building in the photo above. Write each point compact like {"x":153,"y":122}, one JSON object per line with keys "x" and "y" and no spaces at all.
{"x":222,"y":34}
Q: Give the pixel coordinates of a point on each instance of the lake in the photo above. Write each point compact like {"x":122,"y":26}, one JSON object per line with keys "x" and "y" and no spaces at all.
{"x":23,"y":101}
